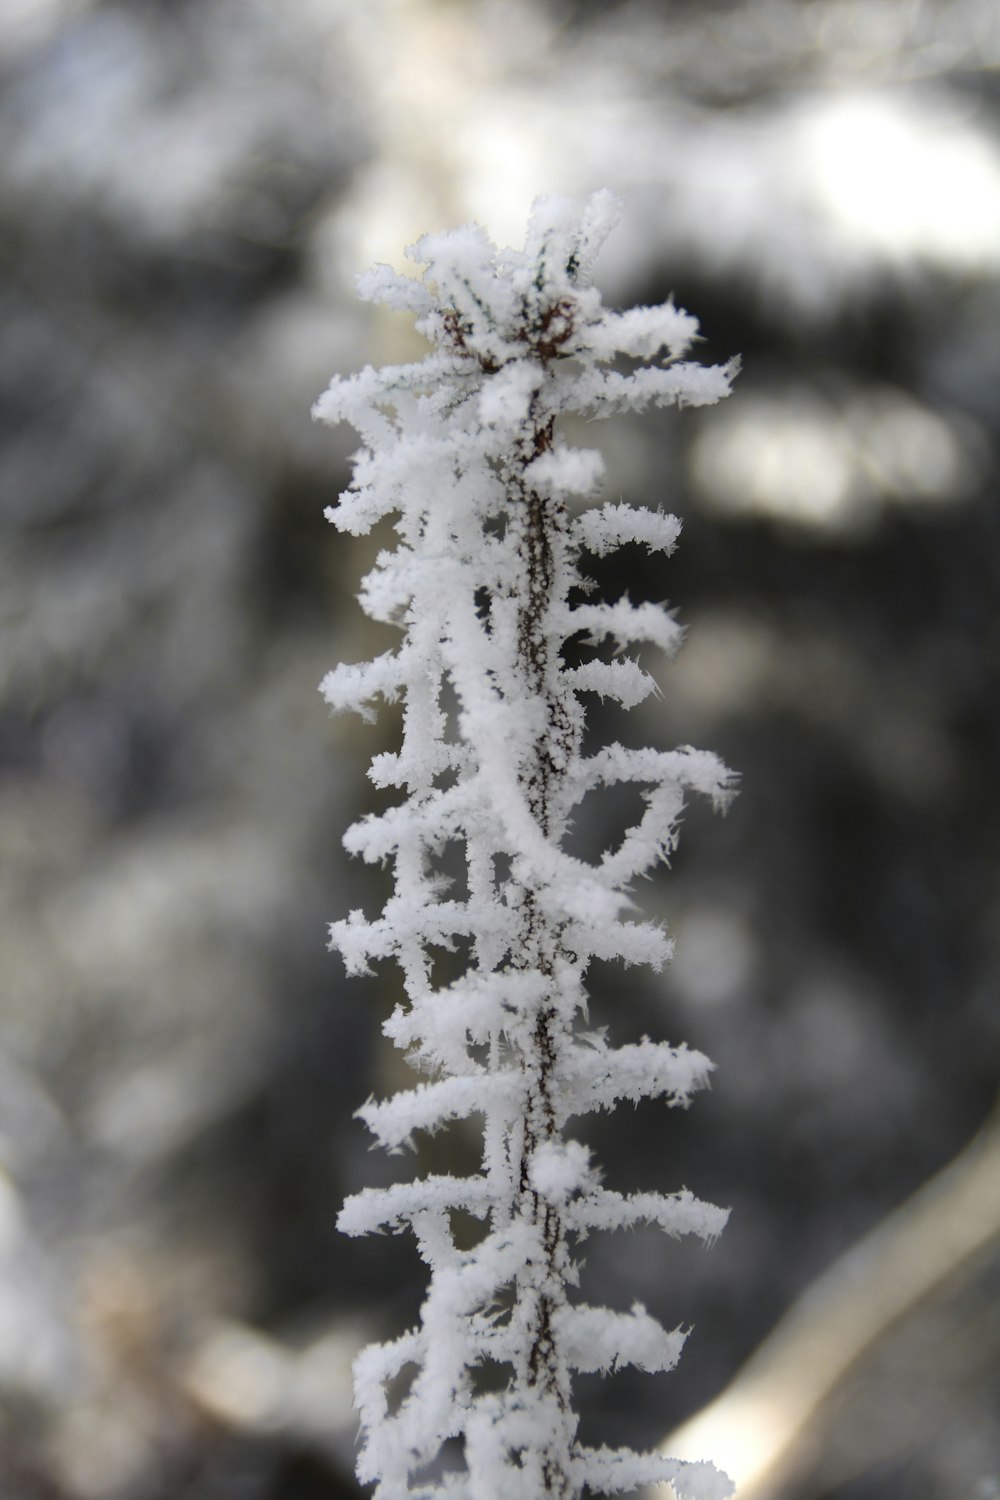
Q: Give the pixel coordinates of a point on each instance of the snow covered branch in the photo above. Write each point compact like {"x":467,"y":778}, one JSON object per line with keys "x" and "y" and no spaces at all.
{"x":464,"y":449}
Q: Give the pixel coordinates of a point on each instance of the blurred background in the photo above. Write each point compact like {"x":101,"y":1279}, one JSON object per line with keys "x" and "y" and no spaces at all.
{"x":187,"y":189}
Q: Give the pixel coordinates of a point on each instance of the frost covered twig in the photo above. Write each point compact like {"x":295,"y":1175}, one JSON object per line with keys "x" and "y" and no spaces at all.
{"x":464,"y":448}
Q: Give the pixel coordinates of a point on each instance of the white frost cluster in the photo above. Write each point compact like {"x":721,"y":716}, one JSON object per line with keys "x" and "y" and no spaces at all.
{"x":464,"y":449}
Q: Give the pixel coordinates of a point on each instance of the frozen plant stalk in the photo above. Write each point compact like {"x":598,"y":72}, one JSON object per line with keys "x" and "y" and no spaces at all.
{"x":464,"y":448}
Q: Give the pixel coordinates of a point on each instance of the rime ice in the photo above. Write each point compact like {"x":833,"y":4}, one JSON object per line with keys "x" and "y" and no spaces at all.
{"x":464,"y":449}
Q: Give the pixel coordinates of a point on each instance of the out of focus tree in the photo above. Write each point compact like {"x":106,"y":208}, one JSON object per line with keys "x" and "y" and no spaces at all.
{"x":185,"y":192}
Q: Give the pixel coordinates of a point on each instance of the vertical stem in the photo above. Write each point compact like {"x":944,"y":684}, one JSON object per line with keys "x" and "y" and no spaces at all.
{"x":540,"y":1290}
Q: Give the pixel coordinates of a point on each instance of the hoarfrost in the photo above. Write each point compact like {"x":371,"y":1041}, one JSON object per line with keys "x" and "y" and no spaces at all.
{"x":463,"y":449}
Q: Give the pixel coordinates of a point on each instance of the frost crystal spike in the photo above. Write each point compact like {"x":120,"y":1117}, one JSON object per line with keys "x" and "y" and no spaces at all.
{"x":493,"y":511}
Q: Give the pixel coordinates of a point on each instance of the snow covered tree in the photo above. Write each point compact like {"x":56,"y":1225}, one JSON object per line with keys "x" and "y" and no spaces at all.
{"x":465,"y":449}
